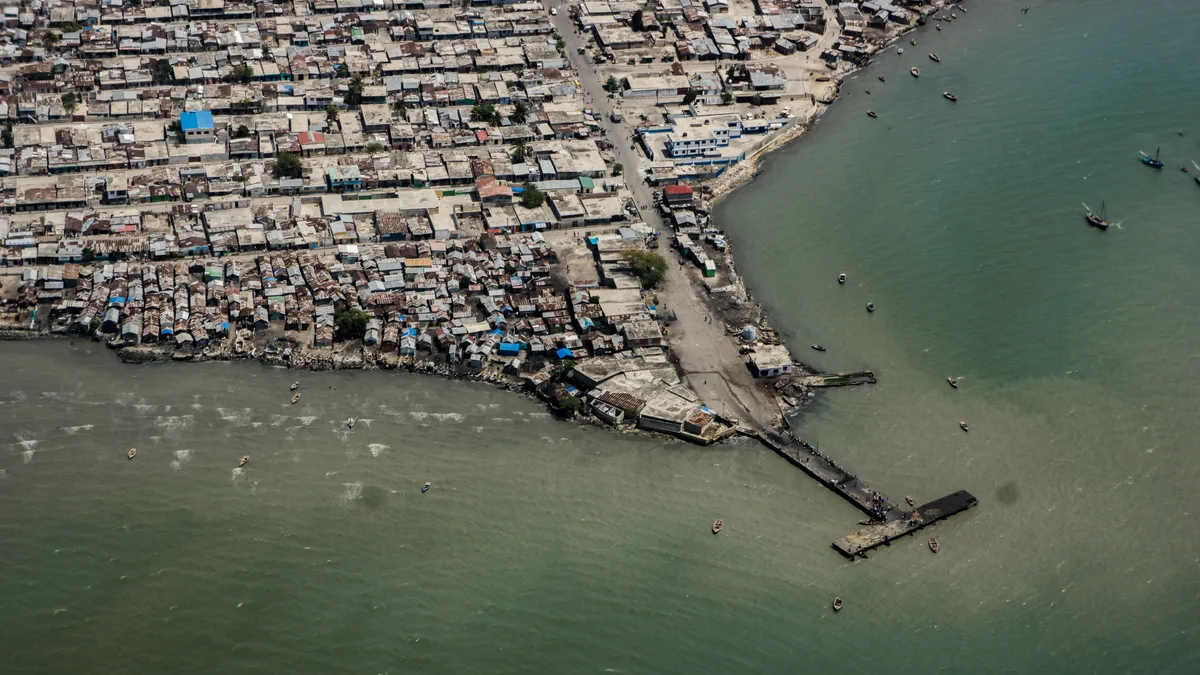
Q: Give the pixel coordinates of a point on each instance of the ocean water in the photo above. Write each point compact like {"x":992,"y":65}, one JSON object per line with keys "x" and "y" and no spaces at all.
{"x":547,"y":547}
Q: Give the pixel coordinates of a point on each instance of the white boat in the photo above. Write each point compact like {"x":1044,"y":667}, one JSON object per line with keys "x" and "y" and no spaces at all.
{"x":349,"y":422}
{"x":295,"y":398}
{"x":245,"y":460}
{"x":132,"y":453}
{"x":295,"y":386}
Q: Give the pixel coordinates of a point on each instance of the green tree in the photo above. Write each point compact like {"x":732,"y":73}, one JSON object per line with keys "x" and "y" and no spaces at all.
{"x":243,"y":131}
{"x":398,"y":105}
{"x":88,"y":255}
{"x":569,"y":404}
{"x":484,"y":112}
{"x":519,"y":113}
{"x":160,"y":72}
{"x":566,"y":367}
{"x":636,"y":22}
{"x":618,"y":168}
{"x":648,"y":266}
{"x":7,"y":135}
{"x":243,"y":72}
{"x":177,"y":130}
{"x":560,"y":43}
{"x":374,"y":147}
{"x":49,"y":39}
{"x":354,"y":91}
{"x":343,"y":70}
{"x":350,"y":323}
{"x":288,"y":165}
{"x":331,"y":115}
{"x":519,"y":152}
{"x":531,"y":197}
{"x":756,"y":100}
{"x":612,"y":84}
{"x":726,"y":97}
{"x":69,"y":101}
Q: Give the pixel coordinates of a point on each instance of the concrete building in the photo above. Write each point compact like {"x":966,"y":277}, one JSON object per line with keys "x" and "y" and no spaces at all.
{"x":197,"y":126}
{"x":770,"y":361}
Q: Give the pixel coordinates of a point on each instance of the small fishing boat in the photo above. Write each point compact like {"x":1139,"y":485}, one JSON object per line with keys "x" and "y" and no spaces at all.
{"x":245,"y":461}
{"x":866,"y":521}
{"x":1094,"y":219}
{"x":1197,"y":177}
{"x":819,"y":348}
{"x":934,"y":57}
{"x":933,"y":545}
{"x":909,"y":499}
{"x":953,"y":382}
{"x":871,"y":114}
{"x":295,"y":398}
{"x":914,"y":71}
{"x":868,"y":91}
{"x":349,"y":422}
{"x":842,"y":278}
{"x":132,"y":453}
{"x":295,"y":386}
{"x":963,"y":425}
{"x":913,"y":42}
{"x":949,"y":96}
{"x":717,"y":525}
{"x":939,"y":27}
{"x":881,"y":79}
{"x":900,"y":50}
{"x":870,"y":307}
{"x":837,"y":604}
{"x":425,"y":487}
{"x":1151,"y":162}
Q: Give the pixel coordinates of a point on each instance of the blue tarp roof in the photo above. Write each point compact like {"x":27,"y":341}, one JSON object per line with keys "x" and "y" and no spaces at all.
{"x":200,"y":119}
{"x":510,"y":348}
{"x":564,"y":353}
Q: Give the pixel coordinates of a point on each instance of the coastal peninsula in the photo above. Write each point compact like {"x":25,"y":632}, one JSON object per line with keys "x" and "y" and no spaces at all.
{"x":518,"y":194}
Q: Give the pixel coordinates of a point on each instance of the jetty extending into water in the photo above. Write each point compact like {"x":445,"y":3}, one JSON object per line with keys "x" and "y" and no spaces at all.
{"x":882,"y":534}
{"x":891,"y":520}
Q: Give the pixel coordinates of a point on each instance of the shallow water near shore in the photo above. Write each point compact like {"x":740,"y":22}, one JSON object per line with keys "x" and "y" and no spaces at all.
{"x":547,"y":547}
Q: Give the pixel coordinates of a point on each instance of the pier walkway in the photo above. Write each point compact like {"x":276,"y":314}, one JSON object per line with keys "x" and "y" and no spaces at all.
{"x":882,"y":534}
{"x":891,"y":521}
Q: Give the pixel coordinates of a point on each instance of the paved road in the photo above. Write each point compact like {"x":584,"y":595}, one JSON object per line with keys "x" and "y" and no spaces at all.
{"x":708,"y":357}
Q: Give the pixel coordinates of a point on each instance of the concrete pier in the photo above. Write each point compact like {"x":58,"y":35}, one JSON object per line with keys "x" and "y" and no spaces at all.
{"x":909,"y":522}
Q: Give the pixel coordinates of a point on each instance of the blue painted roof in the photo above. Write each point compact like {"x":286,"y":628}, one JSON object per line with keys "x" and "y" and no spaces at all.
{"x":191,"y":121}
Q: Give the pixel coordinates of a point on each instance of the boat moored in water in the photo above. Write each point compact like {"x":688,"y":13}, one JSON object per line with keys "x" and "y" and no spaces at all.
{"x":933,"y":545}
{"x":426,"y":486}
{"x":245,"y":461}
{"x":349,"y":422}
{"x":870,"y":307}
{"x":295,"y":386}
{"x":295,"y":398}
{"x":1094,"y":219}
{"x":717,"y":524}
{"x":881,"y":79}
{"x":914,"y":71}
{"x":871,"y":114}
{"x":900,"y":50}
{"x":837,"y":604}
{"x":132,"y":453}
{"x":953,"y":382}
{"x":819,"y":348}
{"x":934,"y":57}
{"x":963,"y":425}
{"x":1152,"y":162}
{"x":842,"y":278}
{"x":949,"y":96}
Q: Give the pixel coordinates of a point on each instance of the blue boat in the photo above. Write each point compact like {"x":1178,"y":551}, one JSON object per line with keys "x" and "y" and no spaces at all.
{"x":425,"y":487}
{"x":1152,"y":162}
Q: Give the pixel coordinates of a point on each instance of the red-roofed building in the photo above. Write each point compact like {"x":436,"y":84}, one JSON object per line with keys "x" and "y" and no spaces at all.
{"x":492,"y":192}
{"x":677,"y":195}
{"x":311,"y":142}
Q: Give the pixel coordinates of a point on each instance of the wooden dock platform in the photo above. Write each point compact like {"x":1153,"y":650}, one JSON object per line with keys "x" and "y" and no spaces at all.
{"x":882,"y":534}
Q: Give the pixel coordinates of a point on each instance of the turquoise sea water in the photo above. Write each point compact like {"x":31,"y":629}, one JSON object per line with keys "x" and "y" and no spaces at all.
{"x":544,"y":547}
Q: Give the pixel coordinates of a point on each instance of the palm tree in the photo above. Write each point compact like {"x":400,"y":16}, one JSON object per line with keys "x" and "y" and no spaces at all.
{"x":331,"y":115}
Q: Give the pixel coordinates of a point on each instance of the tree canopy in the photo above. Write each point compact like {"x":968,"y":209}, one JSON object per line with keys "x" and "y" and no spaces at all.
{"x":520,"y":111}
{"x":531,"y":197}
{"x":648,"y":266}
{"x":485,"y":112}
{"x":351,"y":323}
{"x":288,"y":165}
{"x":636,"y":22}
{"x":354,"y":91}
{"x":612,"y":85}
